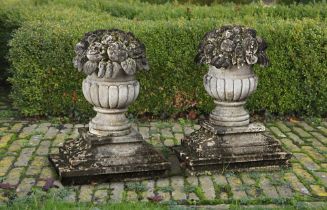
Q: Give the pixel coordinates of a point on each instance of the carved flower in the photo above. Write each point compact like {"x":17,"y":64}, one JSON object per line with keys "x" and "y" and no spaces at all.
{"x":232,"y":45}
{"x":107,"y":52}
{"x":94,"y":52}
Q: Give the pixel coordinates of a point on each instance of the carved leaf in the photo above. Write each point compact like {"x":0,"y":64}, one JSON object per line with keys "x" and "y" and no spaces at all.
{"x":251,"y":59}
{"x":109,"y":70}
{"x":80,"y":48}
{"x":227,"y":45}
{"x":94,"y":52}
{"x":102,"y":69}
{"x":129,"y":66}
{"x":90,"y":67}
{"x":116,"y":68}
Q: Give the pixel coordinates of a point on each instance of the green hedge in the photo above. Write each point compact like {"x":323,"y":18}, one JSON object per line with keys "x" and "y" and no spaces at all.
{"x":45,"y":83}
{"x":14,"y":12}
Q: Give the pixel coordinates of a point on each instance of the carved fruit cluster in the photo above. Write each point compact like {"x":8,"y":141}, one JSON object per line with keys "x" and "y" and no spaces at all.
{"x":107,"y":52}
{"x":232,"y":46}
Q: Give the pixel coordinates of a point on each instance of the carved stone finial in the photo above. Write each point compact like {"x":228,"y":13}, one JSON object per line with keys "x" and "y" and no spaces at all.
{"x":106,"y":52}
{"x":227,"y":140}
{"x":110,"y":149}
{"x":232,"y":46}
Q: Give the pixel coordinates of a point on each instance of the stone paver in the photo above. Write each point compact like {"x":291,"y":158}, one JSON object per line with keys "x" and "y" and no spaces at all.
{"x":131,"y":196}
{"x":236,"y":186}
{"x":302,"y":133}
{"x":27,"y":131}
{"x":207,"y":187}
{"x":295,"y":138}
{"x":307,"y":161}
{"x":52,"y":132}
{"x":4,"y":140}
{"x":296,"y":184}
{"x":25,"y":186}
{"x":300,"y":172}
{"x":318,"y":190}
{"x":305,"y":126}
{"x":24,"y":157}
{"x":86,"y":193}
{"x":268,"y":189}
{"x":35,"y":140}
{"x":290,"y":146}
{"x":100,"y":196}
{"x":13,"y":176}
{"x":163,"y":186}
{"x":177,"y":128}
{"x":177,"y":183}
{"x":36,"y":165}
{"x":17,"y":145}
{"x":5,"y":164}
{"x":150,"y":188}
{"x":313,"y":153}
{"x":322,"y":176}
{"x":193,"y":182}
{"x":220,"y":179}
{"x":43,"y":148}
{"x":320,"y":137}
{"x":144,"y":132}
{"x":250,"y":183}
{"x":16,"y":127}
{"x":278,"y":133}
{"x":117,"y":190}
{"x":323,"y":130}
{"x":281,"y":125}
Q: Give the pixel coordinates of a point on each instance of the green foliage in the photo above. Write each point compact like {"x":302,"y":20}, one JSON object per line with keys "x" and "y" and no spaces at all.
{"x":136,"y":186}
{"x":213,"y":2}
{"x":45,"y":82}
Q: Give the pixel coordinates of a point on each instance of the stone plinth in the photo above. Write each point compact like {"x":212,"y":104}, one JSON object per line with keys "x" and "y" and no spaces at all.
{"x":102,"y":159}
{"x":216,"y":149}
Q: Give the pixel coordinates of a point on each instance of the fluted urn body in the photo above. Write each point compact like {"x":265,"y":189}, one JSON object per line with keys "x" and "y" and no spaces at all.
{"x":110,"y":98}
{"x":230,"y":88}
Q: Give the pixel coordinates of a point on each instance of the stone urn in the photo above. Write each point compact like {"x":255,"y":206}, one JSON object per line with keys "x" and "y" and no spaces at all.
{"x":110,"y":98}
{"x":110,"y":60}
{"x":227,"y":140}
{"x":230,"y":88}
{"x":230,"y":53}
{"x":110,"y":149}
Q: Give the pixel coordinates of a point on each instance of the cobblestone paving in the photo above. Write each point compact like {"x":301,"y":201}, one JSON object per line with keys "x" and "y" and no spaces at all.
{"x":24,"y":146}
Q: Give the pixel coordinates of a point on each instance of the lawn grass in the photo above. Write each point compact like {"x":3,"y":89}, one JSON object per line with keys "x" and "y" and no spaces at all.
{"x":53,"y":205}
